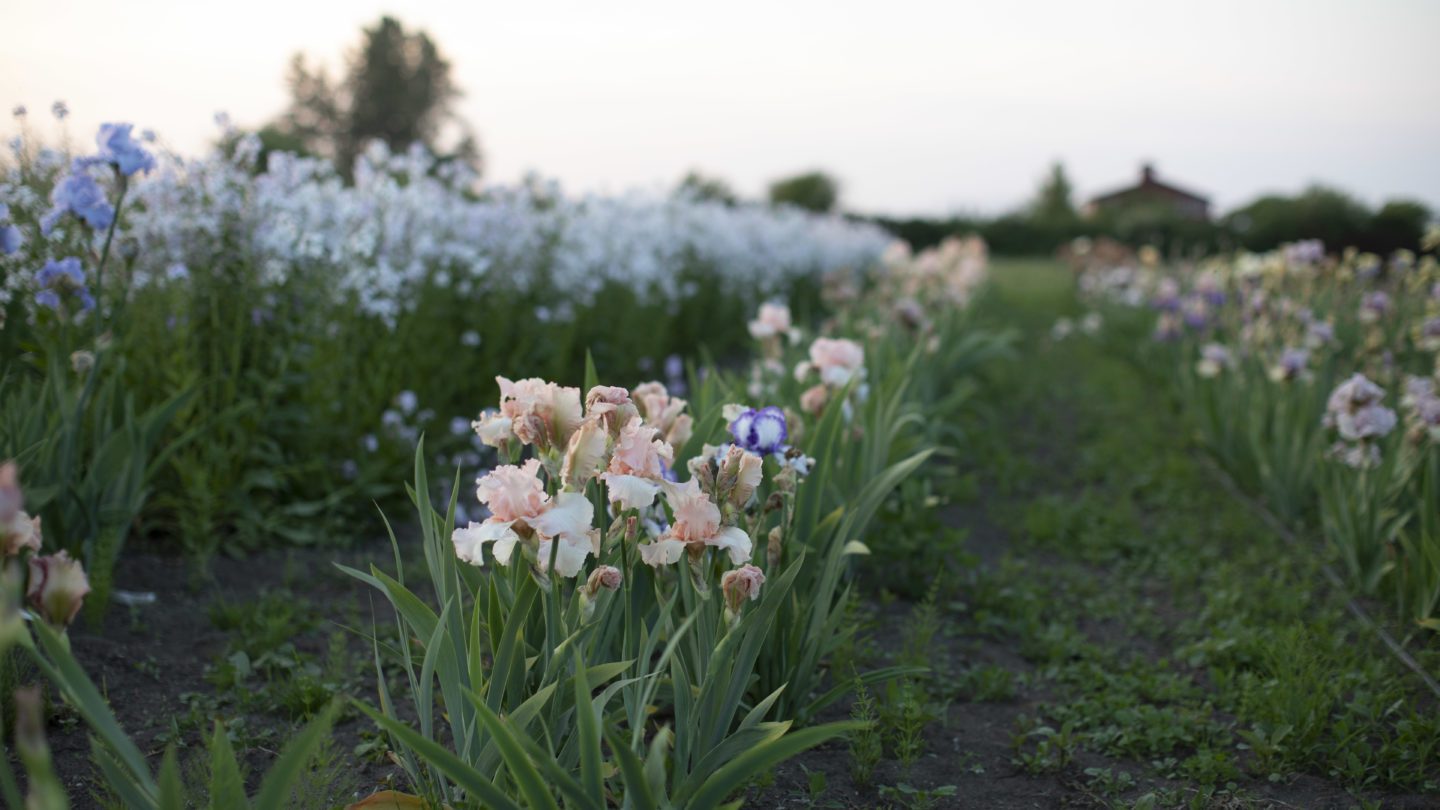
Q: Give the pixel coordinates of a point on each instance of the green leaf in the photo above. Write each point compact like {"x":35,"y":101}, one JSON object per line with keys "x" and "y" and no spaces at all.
{"x":86,"y":700}
{"x":632,"y":773}
{"x":227,"y":789}
{"x":280,"y":780}
{"x":537,"y":795}
{"x":760,"y":758}
{"x":447,"y":763}
{"x":172,"y":790}
{"x":655,"y":760}
{"x":118,"y":778}
{"x":588,"y":726}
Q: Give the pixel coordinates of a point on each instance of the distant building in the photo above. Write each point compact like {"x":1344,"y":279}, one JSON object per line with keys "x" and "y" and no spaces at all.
{"x":1151,"y":192}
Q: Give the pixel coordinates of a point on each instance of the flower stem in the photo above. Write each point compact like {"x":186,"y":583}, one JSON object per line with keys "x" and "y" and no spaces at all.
{"x":105,"y":250}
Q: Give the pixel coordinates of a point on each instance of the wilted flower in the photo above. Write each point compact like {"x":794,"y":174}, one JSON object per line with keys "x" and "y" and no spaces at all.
{"x":82,"y":361}
{"x":57,"y":587}
{"x":760,"y":431}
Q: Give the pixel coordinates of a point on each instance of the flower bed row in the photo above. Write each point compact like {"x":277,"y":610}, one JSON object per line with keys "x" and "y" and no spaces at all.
{"x":640,"y":606}
{"x":219,"y":355}
{"x":1313,"y":379}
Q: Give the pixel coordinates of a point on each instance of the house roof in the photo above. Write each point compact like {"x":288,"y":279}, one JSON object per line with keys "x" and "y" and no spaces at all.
{"x":1148,"y":184}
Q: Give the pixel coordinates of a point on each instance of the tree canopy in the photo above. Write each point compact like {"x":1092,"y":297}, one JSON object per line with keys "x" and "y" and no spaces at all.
{"x":814,"y":191}
{"x":397,"y":88}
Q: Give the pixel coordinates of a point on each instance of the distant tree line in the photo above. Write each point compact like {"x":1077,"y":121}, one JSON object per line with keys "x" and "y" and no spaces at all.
{"x":1051,"y":220}
{"x":397,"y":88}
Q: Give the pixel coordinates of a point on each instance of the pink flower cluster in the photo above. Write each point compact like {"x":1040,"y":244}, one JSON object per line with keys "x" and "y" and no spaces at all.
{"x":625,"y":440}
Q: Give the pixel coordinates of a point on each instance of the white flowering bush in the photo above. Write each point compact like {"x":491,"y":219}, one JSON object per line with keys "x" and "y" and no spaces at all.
{"x":291,"y":307}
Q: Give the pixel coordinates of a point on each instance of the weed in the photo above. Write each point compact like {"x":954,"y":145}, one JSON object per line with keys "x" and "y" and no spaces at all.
{"x":866,"y":747}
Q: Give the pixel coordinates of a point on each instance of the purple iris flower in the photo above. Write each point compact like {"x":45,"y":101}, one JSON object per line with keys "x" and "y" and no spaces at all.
{"x":77,"y":193}
{"x":62,"y":277}
{"x":120,"y":150}
{"x":1377,"y":302}
{"x":762,"y":432}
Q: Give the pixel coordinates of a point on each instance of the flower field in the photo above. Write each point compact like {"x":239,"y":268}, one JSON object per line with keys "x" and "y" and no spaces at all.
{"x":399,"y":492}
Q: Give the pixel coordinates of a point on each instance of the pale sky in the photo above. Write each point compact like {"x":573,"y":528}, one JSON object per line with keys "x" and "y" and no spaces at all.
{"x":918,"y":107}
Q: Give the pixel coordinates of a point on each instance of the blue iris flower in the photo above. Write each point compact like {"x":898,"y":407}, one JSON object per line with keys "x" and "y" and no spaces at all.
{"x":120,"y":150}
{"x":77,"y":193}
{"x":63,"y":277}
{"x":10,"y":239}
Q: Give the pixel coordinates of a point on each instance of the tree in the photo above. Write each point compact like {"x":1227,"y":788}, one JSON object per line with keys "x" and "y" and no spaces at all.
{"x":1052,"y":206}
{"x":397,"y":88}
{"x":700,"y":187}
{"x":1327,"y":214}
{"x":1398,"y":224}
{"x":814,"y":191}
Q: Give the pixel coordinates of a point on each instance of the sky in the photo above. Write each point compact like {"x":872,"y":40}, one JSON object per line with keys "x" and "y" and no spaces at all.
{"x":919,"y":108}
